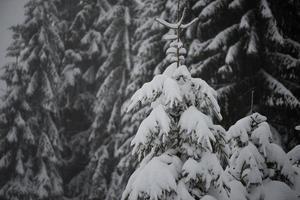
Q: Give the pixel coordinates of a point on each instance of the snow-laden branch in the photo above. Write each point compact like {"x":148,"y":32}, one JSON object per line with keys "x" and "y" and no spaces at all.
{"x":167,"y":24}
{"x":177,"y":25}
{"x":189,"y":24}
{"x":285,"y":95}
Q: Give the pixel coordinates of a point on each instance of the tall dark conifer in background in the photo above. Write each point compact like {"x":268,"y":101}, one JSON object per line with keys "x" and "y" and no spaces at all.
{"x":31,"y":144}
{"x":115,"y":27}
{"x":83,"y":50}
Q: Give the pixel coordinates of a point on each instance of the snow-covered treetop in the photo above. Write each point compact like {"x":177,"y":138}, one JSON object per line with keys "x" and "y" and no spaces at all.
{"x":175,"y":86}
{"x":174,"y":92}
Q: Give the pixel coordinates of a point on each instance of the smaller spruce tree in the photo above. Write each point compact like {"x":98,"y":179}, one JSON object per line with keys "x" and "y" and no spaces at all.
{"x":258,"y":168}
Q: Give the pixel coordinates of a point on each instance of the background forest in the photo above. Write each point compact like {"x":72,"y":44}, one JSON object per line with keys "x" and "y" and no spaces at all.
{"x":64,"y":129}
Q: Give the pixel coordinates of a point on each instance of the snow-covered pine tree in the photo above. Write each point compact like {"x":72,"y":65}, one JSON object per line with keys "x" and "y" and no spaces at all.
{"x":30,"y":141}
{"x":177,"y":143}
{"x":85,"y":51}
{"x":258,"y":168}
{"x":116,"y":28}
{"x":238,"y":47}
{"x":117,"y":25}
{"x":76,"y":95}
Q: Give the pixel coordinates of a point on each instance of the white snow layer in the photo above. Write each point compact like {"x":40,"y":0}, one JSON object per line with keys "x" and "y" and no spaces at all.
{"x":157,"y":122}
{"x":275,"y":190}
{"x":154,"y":178}
{"x":195,"y":123}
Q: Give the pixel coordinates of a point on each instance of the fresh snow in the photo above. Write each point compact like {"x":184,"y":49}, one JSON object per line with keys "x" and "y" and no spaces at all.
{"x":157,"y":124}
{"x":195,"y":123}
{"x":262,"y":136}
{"x":276,"y":190}
{"x":232,"y":53}
{"x":223,"y":37}
{"x":208,"y":170}
{"x":294,"y":154}
{"x":243,"y":126}
{"x":154,"y":178}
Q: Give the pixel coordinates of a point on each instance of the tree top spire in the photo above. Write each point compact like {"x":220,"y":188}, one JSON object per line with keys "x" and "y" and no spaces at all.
{"x":178,"y":25}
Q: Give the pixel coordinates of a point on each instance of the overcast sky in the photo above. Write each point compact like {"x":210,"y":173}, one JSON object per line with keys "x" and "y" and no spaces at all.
{"x":11,"y":13}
